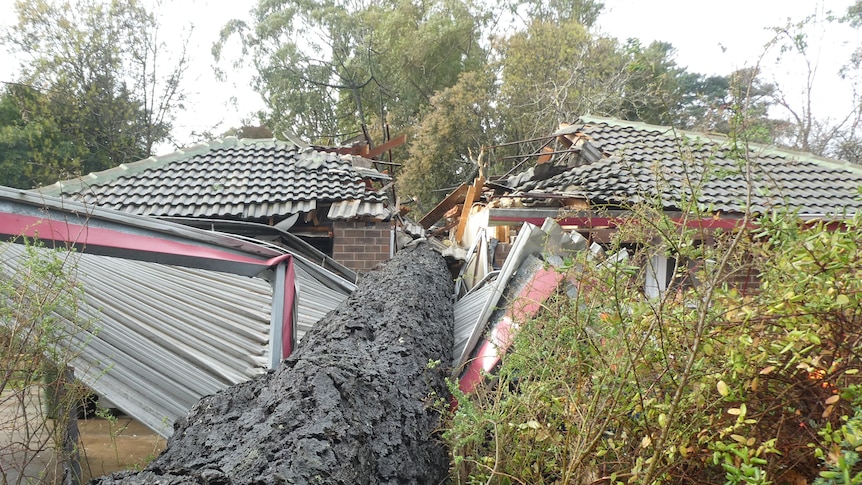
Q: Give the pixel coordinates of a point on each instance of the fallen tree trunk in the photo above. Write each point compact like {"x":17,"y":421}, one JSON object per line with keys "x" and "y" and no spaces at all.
{"x":351,"y":406}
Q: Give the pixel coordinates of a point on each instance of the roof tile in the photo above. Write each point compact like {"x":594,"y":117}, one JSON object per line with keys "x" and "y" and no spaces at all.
{"x":642,"y":161}
{"x":229,"y":178}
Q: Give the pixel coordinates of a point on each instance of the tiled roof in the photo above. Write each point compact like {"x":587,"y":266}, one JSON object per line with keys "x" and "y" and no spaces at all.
{"x":231,"y":179}
{"x":633,"y":162}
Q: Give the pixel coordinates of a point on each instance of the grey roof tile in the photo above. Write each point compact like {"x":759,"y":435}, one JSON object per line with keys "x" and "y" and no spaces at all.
{"x":230,"y":178}
{"x":643,"y":161}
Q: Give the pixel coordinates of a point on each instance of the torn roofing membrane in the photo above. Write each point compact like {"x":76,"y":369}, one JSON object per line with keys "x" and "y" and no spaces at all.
{"x":178,"y":312}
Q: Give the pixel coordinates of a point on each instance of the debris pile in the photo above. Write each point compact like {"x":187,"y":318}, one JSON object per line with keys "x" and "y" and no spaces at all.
{"x":352,"y":405}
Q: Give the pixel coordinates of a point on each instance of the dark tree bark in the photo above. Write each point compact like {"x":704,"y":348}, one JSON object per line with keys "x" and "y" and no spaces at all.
{"x":353,"y":405}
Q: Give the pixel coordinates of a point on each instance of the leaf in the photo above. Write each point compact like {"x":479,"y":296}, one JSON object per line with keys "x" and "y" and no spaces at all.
{"x":739,"y":438}
{"x":767,"y":370}
{"x":533,"y":424}
{"x":646,"y":441}
{"x":842,"y":300}
{"x":722,"y":388}
{"x":833,"y":399}
{"x":734,"y":411}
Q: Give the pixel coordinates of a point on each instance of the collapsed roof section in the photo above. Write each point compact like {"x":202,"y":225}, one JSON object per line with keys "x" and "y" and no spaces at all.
{"x":585,"y":179}
{"x":492,"y":308}
{"x":612,"y":163}
{"x":237,"y":179}
{"x":180,"y":312}
{"x":590,"y":174}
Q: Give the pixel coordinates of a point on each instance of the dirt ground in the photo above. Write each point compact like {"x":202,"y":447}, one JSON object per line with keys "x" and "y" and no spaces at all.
{"x":106,"y":446}
{"x":109,"y":446}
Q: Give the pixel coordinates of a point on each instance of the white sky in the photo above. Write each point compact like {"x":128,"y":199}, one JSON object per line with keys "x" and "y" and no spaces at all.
{"x":710,"y":38}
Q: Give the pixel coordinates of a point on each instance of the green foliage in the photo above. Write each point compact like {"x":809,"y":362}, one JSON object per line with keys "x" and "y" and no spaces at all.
{"x":658,"y":91}
{"x":41,"y":333}
{"x":331,"y":71}
{"x":554,"y":72}
{"x":329,"y":68}
{"x":33,"y":148}
{"x":707,"y":383}
{"x":584,"y":12}
{"x":854,"y":14}
{"x":840,"y":447}
{"x":94,"y":93}
{"x":456,"y":120}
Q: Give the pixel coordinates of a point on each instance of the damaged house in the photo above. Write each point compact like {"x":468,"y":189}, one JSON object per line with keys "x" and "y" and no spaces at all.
{"x":184,"y":311}
{"x":582,"y":184}
{"x":589,"y":174}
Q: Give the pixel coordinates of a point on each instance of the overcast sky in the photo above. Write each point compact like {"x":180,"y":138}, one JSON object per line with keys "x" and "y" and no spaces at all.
{"x":710,"y":38}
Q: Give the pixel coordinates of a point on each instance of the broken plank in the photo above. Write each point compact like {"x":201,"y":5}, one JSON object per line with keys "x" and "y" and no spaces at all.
{"x":456,"y":197}
{"x":473,"y":194}
{"x":389,"y":145}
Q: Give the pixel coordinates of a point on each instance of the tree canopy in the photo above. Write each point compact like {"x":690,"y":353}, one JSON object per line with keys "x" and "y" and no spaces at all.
{"x":332,"y":70}
{"x":328,"y":69}
{"x":98,"y":91}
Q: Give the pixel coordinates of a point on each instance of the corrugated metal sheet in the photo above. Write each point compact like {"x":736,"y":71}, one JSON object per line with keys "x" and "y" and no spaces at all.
{"x":181,"y":312}
{"x":530,"y":240}
{"x":166,"y":335}
{"x":316,"y":299}
{"x":467,"y":311}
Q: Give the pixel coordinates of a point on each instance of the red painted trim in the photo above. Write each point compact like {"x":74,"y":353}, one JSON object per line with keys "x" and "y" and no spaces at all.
{"x":526,"y":305}
{"x":84,"y":235}
{"x":488,"y":356}
{"x":289,"y":306}
{"x":613,"y":222}
{"x":15,"y":225}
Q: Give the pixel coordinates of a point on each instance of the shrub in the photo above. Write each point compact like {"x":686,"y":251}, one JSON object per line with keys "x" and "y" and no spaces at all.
{"x":40,"y":335}
{"x":706,"y":384}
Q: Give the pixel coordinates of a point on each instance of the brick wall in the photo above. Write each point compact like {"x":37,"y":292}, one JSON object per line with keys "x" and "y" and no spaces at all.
{"x":360,"y":245}
{"x":745,"y":277}
{"x":501,"y":253}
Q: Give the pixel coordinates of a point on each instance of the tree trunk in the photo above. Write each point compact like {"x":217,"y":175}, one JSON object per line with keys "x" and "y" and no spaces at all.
{"x":353,"y":405}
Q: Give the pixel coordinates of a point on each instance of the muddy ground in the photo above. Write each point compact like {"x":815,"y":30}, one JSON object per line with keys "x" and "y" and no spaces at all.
{"x":353,"y":405}
{"x":105,"y":446}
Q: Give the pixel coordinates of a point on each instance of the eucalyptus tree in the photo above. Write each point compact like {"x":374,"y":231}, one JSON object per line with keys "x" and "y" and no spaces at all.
{"x":112,"y":83}
{"x":33,"y":148}
{"x":329,"y":69}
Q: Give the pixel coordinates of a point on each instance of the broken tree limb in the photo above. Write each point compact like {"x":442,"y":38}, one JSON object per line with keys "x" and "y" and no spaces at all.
{"x":353,"y":405}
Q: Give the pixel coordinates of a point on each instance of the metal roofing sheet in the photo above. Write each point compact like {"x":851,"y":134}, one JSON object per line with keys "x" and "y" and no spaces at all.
{"x":467,"y":311}
{"x":530,"y":240}
{"x":166,"y":336}
{"x":316,"y":299}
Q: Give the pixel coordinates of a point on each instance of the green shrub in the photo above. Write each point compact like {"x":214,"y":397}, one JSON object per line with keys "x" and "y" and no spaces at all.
{"x":41,"y":333}
{"x":707,"y":384}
